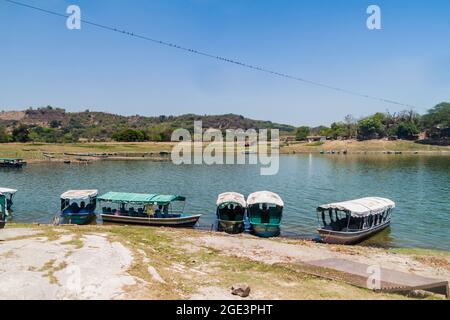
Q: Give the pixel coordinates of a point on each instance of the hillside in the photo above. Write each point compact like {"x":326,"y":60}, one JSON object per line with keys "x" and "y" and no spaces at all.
{"x":56,"y":125}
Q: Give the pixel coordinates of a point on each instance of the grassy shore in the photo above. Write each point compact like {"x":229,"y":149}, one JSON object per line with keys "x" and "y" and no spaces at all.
{"x":151,"y":150}
{"x":126,"y":262}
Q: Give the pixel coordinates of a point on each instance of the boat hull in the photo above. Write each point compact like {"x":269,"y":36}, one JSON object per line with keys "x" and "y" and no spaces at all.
{"x":12,"y":165}
{"x":231,"y":227}
{"x":349,"y":238}
{"x":79,"y":219}
{"x":265,"y":230}
{"x":186,"y":221}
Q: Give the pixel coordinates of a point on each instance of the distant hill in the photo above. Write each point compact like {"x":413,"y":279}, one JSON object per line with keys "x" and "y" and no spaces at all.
{"x":56,"y":125}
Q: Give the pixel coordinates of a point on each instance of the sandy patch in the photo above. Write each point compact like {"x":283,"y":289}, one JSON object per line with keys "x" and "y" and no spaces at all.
{"x":41,"y":269}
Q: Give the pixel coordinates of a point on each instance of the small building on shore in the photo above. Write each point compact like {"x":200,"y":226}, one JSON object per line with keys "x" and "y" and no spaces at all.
{"x":316,"y":139}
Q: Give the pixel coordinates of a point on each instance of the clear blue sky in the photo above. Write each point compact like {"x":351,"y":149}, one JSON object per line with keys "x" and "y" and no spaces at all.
{"x":42,"y":62}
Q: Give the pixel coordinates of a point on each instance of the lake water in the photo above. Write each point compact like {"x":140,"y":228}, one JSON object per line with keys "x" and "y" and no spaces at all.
{"x":420,"y":185}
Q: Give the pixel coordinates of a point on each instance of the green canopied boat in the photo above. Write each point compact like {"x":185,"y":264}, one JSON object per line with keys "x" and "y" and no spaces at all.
{"x":4,"y":210}
{"x":230,"y":212}
{"x":9,"y":194}
{"x":265,"y":210}
{"x":12,"y":163}
{"x":146,"y":209}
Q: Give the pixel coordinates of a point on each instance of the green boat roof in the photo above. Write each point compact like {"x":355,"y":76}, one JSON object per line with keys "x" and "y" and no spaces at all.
{"x":166,"y":199}
{"x":10,"y":159}
{"x":123,"y":197}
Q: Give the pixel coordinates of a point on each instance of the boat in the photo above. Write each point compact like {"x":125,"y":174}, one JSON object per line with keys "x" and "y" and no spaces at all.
{"x":351,"y":222}
{"x":231,"y":212}
{"x":265,"y":210}
{"x":9,"y":194}
{"x":147,"y":210}
{"x":12,"y":163}
{"x":77,"y":207}
{"x":4,"y":213}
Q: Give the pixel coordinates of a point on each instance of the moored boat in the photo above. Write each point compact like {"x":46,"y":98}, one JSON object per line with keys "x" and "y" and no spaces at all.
{"x":265,"y":210}
{"x":351,"y":222}
{"x":3,"y":210}
{"x":12,"y":163}
{"x":9,"y":194}
{"x":147,"y":210}
{"x":231,"y":212}
{"x":74,"y":213}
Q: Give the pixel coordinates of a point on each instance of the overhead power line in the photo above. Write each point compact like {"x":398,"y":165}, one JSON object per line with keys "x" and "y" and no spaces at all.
{"x":217,"y":57}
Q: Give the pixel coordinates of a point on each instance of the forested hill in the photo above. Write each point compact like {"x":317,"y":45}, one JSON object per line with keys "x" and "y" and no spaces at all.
{"x":51,"y":124}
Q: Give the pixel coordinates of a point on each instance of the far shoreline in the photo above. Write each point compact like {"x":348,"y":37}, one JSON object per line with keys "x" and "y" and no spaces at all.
{"x":160,"y":151}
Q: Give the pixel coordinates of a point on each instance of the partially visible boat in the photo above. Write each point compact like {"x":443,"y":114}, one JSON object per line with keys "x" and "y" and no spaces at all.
{"x":265,"y":211}
{"x":146,"y":209}
{"x":4,"y":213}
{"x":231,"y":212}
{"x":351,"y":222}
{"x":77,"y":207}
{"x":12,"y":163}
{"x":9,"y":194}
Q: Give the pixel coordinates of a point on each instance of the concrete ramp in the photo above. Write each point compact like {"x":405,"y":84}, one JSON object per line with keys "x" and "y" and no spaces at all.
{"x":377,"y":278}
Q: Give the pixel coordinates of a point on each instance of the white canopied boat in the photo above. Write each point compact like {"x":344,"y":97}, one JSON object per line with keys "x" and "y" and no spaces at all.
{"x":77,"y":207}
{"x":230,"y":212}
{"x":353,"y":221}
{"x":265,"y":210}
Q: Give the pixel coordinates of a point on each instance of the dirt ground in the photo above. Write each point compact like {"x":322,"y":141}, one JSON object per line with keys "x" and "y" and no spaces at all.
{"x":122,"y":262}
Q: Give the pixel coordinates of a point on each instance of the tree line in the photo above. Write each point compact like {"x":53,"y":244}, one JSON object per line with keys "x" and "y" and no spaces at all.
{"x":68,"y":128}
{"x":402,"y":125}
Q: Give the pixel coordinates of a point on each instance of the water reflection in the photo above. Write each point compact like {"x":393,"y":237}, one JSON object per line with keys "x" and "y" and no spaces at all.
{"x":418,"y":184}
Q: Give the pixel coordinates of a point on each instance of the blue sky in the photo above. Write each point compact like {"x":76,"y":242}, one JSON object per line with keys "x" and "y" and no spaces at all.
{"x":42,"y":62}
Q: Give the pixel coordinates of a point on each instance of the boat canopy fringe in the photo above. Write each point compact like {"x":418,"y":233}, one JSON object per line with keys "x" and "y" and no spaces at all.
{"x":231,"y":197}
{"x":361,"y":207}
{"x":264,"y":197}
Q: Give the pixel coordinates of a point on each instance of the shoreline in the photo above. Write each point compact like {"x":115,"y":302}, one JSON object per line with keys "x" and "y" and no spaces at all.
{"x":130,"y":262}
{"x":160,"y":151}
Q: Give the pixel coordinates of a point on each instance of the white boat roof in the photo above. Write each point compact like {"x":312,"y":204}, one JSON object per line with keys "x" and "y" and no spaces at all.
{"x":233,"y":197}
{"x":265,"y":197}
{"x":7,"y":190}
{"x":79,"y":194}
{"x":361,"y":207}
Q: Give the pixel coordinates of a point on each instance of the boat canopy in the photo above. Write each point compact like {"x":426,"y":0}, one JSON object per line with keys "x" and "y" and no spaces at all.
{"x":166,"y":199}
{"x":361,"y":207}
{"x":142,"y":198}
{"x":265,"y":197}
{"x":79,"y":194}
{"x":7,"y":190}
{"x":11,"y":159}
{"x":231,"y":197}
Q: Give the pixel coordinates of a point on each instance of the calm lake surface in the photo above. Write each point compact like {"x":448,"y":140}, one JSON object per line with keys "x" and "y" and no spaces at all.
{"x":420,"y":185}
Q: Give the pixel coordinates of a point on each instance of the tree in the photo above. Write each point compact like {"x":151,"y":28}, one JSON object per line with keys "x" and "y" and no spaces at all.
{"x":302,"y":133}
{"x":5,"y":137}
{"x":351,"y":125}
{"x":55,"y":123}
{"x":339,"y":130}
{"x":370,"y":128}
{"x":130,"y":135}
{"x":20,"y":134}
{"x":439,"y":116}
{"x":407,"y":130}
